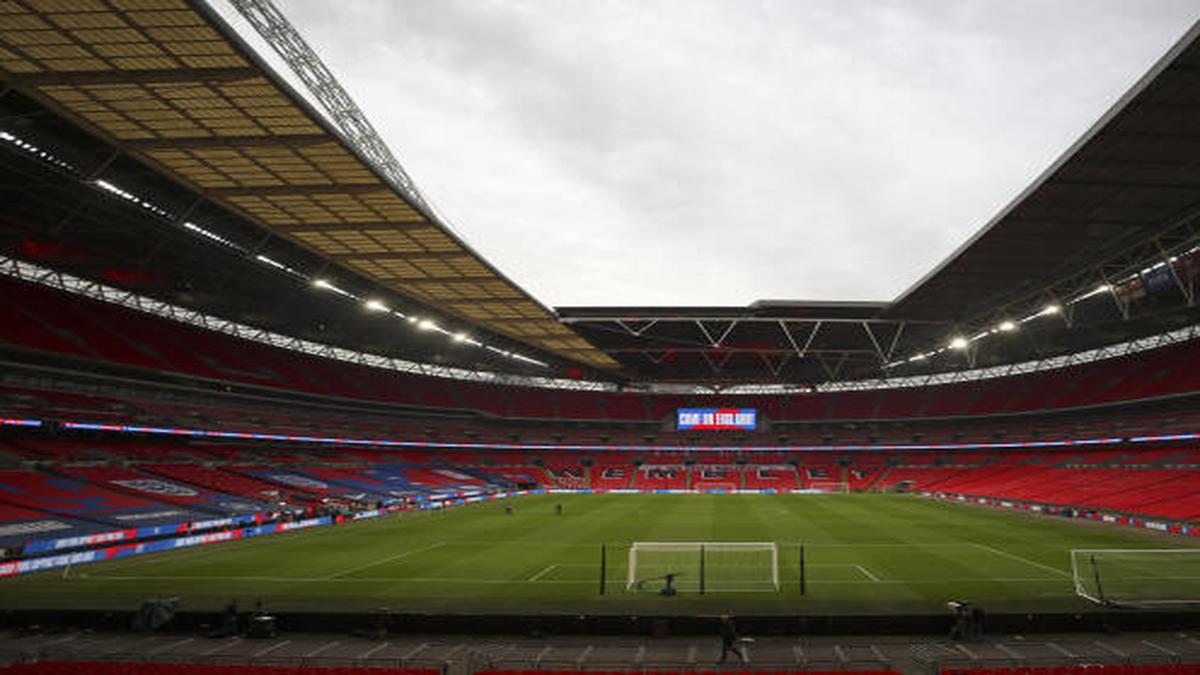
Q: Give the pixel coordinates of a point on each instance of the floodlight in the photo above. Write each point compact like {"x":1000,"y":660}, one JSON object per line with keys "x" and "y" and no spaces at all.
{"x":1051,"y":309}
{"x":1007,"y":326}
{"x":426,"y":324}
{"x":321,"y":283}
{"x":375,"y":306}
{"x":958,"y":343}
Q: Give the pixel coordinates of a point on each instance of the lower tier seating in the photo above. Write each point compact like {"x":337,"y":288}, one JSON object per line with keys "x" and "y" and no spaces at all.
{"x":1088,"y":669}
{"x":106,"y":668}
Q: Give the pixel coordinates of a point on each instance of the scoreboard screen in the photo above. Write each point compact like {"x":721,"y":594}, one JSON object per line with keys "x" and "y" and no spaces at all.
{"x":716,"y":419}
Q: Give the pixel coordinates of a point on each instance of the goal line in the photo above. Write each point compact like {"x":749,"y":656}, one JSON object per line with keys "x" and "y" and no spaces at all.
{"x":1137,"y":577}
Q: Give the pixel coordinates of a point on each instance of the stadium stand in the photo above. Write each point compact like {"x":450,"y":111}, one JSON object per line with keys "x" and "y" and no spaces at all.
{"x":299,"y":478}
{"x":741,"y":671}
{"x":75,"y":478}
{"x":138,"y":668}
{"x":43,"y":320}
{"x":612,"y":475}
{"x":1085,"y":669}
{"x":779,"y":477}
{"x":112,"y":418}
{"x":74,"y":499}
{"x":119,"y":479}
{"x":19,"y":525}
{"x":661,"y":477}
{"x":714,"y":477}
{"x":233,"y":483}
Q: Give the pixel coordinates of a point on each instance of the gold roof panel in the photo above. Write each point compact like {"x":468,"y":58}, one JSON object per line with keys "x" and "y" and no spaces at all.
{"x":168,"y":83}
{"x":165,"y":82}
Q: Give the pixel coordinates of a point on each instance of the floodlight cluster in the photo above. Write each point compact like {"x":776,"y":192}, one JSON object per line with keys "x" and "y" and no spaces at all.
{"x":34,"y":150}
{"x":962,"y":343}
{"x":370,"y":304}
{"x":423,"y":324}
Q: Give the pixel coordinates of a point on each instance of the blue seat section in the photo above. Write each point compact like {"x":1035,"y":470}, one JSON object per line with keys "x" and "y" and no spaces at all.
{"x":20,"y":525}
{"x":310,"y":481}
{"x":158,"y":488}
{"x":72,"y":498}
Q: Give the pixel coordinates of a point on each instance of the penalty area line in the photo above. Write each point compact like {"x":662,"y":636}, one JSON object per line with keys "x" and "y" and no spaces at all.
{"x":539,"y":575}
{"x":1027,"y":561}
{"x":867,"y":572}
{"x":377,"y":563}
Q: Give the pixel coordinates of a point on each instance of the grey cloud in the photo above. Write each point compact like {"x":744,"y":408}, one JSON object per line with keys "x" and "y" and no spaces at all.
{"x":706,"y":152}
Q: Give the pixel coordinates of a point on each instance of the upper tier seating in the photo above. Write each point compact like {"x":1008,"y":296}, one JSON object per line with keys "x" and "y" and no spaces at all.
{"x":40,"y":319}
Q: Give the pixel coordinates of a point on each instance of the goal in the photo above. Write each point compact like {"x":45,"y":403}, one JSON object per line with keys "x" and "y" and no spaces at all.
{"x":1137,"y":577}
{"x":829,"y":486}
{"x":704,"y":567}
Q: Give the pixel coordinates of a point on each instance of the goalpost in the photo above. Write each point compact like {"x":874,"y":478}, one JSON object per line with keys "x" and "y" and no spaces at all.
{"x":840,"y":487}
{"x":704,"y":566}
{"x":1137,"y":577}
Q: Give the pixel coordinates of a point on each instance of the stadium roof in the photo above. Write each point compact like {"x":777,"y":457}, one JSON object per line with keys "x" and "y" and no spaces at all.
{"x":168,"y":83}
{"x":1103,"y":224}
{"x":160,"y":103}
{"x":1134,"y":175}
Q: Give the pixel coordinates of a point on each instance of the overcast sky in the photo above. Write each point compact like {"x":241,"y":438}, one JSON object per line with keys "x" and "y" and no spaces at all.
{"x":698,"y":152}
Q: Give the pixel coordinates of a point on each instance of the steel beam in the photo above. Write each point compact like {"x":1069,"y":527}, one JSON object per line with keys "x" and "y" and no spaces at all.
{"x":272,"y":141}
{"x":391,"y":226}
{"x":173,"y":75}
{"x":345,"y":114}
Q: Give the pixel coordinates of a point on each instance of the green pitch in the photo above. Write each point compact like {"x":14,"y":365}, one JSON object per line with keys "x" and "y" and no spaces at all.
{"x":864,"y":553}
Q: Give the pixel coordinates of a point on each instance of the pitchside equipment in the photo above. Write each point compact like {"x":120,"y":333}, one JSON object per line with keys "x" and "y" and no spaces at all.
{"x":1137,"y":577}
{"x":704,"y":567}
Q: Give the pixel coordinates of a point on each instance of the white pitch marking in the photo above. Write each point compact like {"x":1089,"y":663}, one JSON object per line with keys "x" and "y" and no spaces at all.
{"x":268,"y":650}
{"x":1027,"y":561}
{"x":539,"y":575}
{"x":70,"y":637}
{"x":452,"y":651}
{"x":374,"y":650}
{"x":468,"y":580}
{"x":414,"y":651}
{"x":322,"y":648}
{"x":232,"y":641}
{"x":172,"y":645}
{"x":377,"y":563}
{"x":867,"y":572}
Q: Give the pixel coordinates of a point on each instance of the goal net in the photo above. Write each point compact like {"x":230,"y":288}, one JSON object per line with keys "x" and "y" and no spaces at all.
{"x":704,"y":567}
{"x":829,"y":486}
{"x":1137,"y":577}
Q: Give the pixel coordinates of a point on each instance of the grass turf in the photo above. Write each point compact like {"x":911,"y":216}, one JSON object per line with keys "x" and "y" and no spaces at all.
{"x":864,"y":554}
